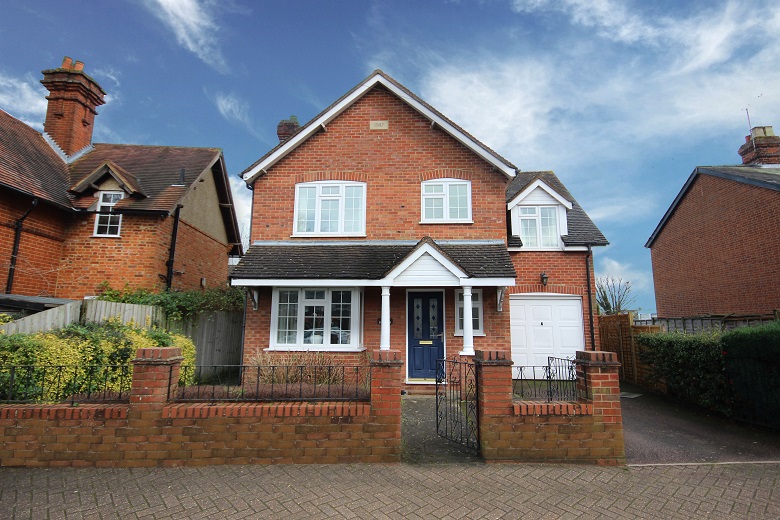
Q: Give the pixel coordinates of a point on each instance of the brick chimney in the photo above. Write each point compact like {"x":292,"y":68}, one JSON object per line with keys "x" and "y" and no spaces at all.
{"x":762,"y":146}
{"x":73,"y":98}
{"x":286,"y":128}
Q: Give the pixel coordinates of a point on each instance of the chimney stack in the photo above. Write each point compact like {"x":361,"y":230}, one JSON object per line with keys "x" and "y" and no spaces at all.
{"x":286,"y":128}
{"x":73,"y":98}
{"x":762,"y":146}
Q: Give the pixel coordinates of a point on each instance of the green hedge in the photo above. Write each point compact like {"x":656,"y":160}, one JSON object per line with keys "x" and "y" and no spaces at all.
{"x":179,"y":304}
{"x":736,"y":373}
{"x":691,"y":365}
{"x":110,"y":343}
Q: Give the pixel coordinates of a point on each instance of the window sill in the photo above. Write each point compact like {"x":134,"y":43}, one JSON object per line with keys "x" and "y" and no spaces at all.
{"x":315,"y":348}
{"x":328,"y":235}
{"x":474,"y":334}
{"x":447,"y":221}
{"x":106,"y":236}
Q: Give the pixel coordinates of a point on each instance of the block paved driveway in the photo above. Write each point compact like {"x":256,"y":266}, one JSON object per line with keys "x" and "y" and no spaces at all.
{"x":436,"y":480}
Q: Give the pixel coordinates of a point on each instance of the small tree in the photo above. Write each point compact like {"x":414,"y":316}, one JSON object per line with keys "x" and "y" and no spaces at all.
{"x":613,"y":294}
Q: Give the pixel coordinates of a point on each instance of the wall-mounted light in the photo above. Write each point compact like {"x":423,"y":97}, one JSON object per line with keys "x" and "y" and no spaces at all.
{"x":543,"y":277}
{"x":379,"y":321}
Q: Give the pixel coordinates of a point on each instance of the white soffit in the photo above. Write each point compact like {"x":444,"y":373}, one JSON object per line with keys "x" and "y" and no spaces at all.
{"x":538,"y":183}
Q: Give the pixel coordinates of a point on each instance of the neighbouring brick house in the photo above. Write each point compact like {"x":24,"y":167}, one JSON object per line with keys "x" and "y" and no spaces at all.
{"x":382,"y":225}
{"x":75,"y":214}
{"x":715,"y":251}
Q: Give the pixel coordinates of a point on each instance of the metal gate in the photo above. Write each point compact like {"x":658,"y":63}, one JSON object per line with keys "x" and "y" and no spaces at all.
{"x":457,"y":408}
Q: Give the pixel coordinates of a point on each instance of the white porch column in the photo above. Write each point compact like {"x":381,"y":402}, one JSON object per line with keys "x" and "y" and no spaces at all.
{"x":468,"y":323}
{"x":384,"y":330}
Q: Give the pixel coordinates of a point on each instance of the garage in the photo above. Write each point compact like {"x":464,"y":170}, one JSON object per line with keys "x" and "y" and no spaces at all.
{"x":545,"y":325}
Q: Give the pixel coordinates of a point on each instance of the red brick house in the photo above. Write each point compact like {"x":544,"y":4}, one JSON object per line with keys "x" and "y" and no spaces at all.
{"x":75,"y":214}
{"x":715,"y":251}
{"x":382,"y":225}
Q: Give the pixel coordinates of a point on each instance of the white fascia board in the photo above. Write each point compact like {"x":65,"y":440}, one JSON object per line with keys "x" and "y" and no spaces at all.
{"x":487,"y":282}
{"x":538,"y":183}
{"x":566,"y":249}
{"x":385,"y":282}
{"x":322,"y":121}
{"x":426,"y":248}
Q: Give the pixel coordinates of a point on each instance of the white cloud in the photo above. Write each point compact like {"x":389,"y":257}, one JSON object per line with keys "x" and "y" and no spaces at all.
{"x":195,"y":28}
{"x":242,"y":200}
{"x":236,"y":111}
{"x":24,"y":98}
{"x":640,"y":280}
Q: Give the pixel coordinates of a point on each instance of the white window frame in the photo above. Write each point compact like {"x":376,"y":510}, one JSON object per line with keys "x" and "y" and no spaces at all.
{"x":517,"y":225}
{"x":320,"y":186}
{"x":101,"y":207}
{"x":356,"y":312}
{"x":445,"y":197}
{"x":477,"y":311}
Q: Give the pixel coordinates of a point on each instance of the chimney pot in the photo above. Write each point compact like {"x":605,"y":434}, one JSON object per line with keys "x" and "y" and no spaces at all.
{"x":67,"y":62}
{"x":762,"y":146}
{"x":286,"y":128}
{"x":79,"y":66}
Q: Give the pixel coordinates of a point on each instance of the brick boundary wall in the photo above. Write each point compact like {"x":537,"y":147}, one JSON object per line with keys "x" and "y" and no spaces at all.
{"x":588,"y":431}
{"x":150,"y":431}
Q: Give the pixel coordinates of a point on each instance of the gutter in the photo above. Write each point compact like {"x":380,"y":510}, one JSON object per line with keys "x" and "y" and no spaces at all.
{"x":15,"y":251}
{"x":590,"y":297}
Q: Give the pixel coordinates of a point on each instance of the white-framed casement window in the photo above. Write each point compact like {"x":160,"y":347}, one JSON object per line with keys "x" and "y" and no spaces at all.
{"x":446,"y":201}
{"x":539,"y":227}
{"x":334,"y":208}
{"x":477,"y":318}
{"x":108,"y":224}
{"x":315,"y":319}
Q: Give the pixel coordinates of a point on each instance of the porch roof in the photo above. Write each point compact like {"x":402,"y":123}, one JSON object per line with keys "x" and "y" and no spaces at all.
{"x":483,"y":262}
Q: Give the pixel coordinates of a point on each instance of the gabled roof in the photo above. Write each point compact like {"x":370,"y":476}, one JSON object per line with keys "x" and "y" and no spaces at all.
{"x":752,"y":175}
{"x":29,"y":165}
{"x":377,"y":78}
{"x":156,"y":168}
{"x":582,"y":230}
{"x":126,"y":180}
{"x":364,"y":261}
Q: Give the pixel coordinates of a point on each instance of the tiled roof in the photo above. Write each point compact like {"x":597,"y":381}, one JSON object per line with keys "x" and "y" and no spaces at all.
{"x":29,"y":165}
{"x":363,"y":260}
{"x":154,"y":169}
{"x":582,"y":230}
{"x":753,"y":175}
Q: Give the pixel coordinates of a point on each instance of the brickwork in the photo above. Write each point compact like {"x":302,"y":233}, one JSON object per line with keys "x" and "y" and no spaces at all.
{"x":40,"y":246}
{"x":199,"y":255}
{"x":589,"y":431}
{"x":151,"y":432}
{"x":716,"y":252}
{"x":393,"y":162}
{"x":567,"y":275}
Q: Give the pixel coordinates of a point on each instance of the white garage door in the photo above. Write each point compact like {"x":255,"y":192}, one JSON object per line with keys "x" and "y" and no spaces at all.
{"x":543,"y":326}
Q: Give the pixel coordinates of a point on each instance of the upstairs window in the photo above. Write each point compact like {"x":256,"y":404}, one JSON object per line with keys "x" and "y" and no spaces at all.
{"x":107,"y":223}
{"x":446,"y":200}
{"x":539,"y":227}
{"x":330,"y":208}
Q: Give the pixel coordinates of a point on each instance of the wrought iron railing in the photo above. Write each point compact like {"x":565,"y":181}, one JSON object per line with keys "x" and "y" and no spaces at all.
{"x":457,"y":405}
{"x":555,"y":382}
{"x":65,"y":383}
{"x":214,"y":383}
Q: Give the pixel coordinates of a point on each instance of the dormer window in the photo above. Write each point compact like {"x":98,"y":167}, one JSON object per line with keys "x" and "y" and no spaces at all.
{"x":330,"y":208}
{"x":539,"y":227}
{"x":446,"y":201}
{"x":107,"y":223}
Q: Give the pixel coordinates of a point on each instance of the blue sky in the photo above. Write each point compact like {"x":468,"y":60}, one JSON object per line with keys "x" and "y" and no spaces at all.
{"x":622,"y":99}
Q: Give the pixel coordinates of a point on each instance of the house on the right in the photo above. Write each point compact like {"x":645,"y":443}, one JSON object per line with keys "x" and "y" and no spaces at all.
{"x":716,"y":251}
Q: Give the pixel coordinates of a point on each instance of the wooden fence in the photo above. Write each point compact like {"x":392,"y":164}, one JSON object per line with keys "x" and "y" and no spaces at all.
{"x":217,"y":335}
{"x":696,"y":324}
{"x":617,"y":335}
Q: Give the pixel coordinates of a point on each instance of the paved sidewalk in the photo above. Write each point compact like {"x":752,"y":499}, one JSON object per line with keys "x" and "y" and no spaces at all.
{"x":394,"y":491}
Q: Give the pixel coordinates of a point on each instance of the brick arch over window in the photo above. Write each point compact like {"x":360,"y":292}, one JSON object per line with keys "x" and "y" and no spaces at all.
{"x":446,"y":173}
{"x":331,"y":176}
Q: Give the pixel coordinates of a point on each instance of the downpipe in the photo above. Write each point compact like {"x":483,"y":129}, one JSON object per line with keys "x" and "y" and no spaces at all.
{"x":15,"y":251}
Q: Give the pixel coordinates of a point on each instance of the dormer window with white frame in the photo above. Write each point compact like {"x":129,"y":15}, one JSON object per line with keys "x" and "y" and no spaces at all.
{"x":538,"y":217}
{"x":107,"y":223}
{"x":330,"y":208}
{"x":446,"y":201}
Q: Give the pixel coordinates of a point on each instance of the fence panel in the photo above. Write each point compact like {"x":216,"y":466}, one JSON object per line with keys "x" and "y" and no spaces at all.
{"x":217,"y":336}
{"x":145,"y":316}
{"x":56,"y":318}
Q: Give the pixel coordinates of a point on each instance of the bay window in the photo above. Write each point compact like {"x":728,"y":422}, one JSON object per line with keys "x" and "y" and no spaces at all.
{"x":315,"y":318}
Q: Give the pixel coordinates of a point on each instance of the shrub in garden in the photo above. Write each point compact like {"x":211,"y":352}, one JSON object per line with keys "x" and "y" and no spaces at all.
{"x":179,"y":304}
{"x":110,"y":345}
{"x":691,"y":365}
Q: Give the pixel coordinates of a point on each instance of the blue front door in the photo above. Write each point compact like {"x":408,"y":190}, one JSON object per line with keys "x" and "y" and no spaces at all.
{"x":425,"y":321}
